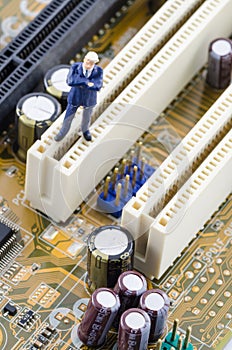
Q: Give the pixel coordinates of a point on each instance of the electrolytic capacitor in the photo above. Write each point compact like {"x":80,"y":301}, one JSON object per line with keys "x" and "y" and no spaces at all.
{"x":156,"y":303}
{"x":55,"y":83}
{"x":110,"y":252}
{"x":130,"y":286}
{"x":35,"y":112}
{"x":219,"y":63}
{"x":97,"y":320}
{"x":134,"y":329}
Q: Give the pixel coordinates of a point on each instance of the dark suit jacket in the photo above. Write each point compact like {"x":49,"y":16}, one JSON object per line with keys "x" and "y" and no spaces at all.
{"x":81,"y":94}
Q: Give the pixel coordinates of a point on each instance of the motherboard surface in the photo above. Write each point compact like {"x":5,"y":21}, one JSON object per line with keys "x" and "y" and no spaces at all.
{"x":43,"y":287}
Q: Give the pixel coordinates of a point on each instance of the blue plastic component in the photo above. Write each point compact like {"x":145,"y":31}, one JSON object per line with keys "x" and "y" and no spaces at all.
{"x":189,"y":347}
{"x":166,"y":346}
{"x":107,"y":205}
{"x":148,"y":170}
{"x":174,"y":343}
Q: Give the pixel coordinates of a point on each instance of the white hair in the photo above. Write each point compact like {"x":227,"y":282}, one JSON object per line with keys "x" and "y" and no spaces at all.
{"x":92,"y":56}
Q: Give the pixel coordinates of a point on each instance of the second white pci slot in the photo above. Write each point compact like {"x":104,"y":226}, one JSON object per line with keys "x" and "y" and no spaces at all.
{"x":172,"y":172}
{"x":177,"y":224}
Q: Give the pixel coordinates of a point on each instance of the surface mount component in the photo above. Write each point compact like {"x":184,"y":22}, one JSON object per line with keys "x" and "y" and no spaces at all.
{"x":10,"y":309}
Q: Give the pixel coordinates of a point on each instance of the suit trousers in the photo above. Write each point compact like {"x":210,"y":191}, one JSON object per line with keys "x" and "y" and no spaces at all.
{"x":86,"y":116}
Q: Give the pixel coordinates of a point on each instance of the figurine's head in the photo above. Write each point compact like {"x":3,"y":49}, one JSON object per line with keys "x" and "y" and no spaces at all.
{"x":90,"y":59}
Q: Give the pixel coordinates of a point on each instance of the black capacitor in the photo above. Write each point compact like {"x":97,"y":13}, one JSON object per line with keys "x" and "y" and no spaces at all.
{"x":134,"y":329}
{"x":56,"y":85}
{"x":130,"y":286}
{"x":219,"y":63}
{"x":99,"y":316}
{"x":156,"y":303}
{"x":35,"y":112}
{"x":110,"y":252}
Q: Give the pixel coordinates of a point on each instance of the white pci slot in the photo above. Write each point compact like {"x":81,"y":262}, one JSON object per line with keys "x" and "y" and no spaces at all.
{"x":150,"y":198}
{"x":63,"y":184}
{"x":132,"y":58}
{"x":177,"y":224}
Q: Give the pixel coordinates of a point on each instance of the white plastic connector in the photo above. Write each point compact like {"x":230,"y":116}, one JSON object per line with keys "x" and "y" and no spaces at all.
{"x":181,"y":219}
{"x":63,"y":184}
{"x":172,"y":172}
{"x":132,"y":58}
{"x":126,"y":64}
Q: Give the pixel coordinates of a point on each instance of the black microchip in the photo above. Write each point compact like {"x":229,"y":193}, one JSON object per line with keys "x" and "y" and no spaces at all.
{"x":5,"y":234}
{"x":23,"y":322}
{"x":11,"y":309}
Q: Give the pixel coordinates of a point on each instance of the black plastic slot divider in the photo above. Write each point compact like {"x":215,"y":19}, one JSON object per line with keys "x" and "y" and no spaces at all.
{"x":47,"y":29}
{"x":8,"y":69}
{"x":46,"y":15}
{"x":60,"y":37}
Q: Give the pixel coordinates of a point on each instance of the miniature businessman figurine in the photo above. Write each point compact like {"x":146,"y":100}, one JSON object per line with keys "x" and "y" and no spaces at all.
{"x":86,"y":79}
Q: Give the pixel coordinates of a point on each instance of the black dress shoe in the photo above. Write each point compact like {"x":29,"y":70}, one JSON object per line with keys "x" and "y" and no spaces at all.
{"x":87,"y":135}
